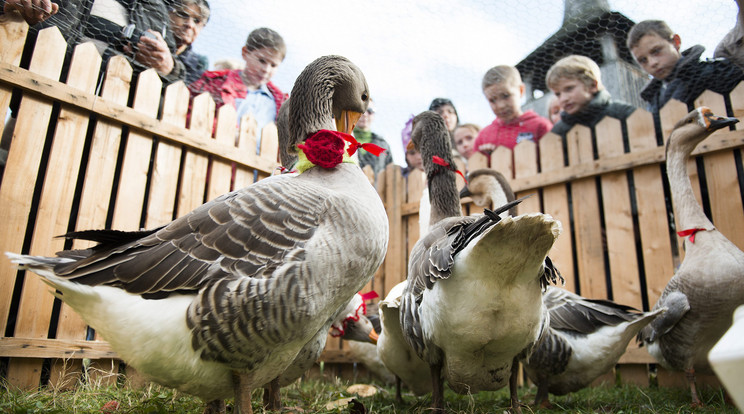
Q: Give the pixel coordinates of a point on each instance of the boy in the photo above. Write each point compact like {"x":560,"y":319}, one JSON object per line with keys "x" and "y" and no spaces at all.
{"x":249,"y":90}
{"x":465,"y":139}
{"x":679,"y":75}
{"x":503,"y":88}
{"x":577,"y":83}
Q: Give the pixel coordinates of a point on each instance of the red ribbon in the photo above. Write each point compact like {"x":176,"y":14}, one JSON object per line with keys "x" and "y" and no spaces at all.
{"x":689,"y":232}
{"x":440,"y":161}
{"x":369,"y":295}
{"x":373,"y":149}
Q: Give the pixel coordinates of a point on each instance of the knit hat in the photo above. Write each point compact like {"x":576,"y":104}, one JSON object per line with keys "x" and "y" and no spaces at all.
{"x":438,"y":102}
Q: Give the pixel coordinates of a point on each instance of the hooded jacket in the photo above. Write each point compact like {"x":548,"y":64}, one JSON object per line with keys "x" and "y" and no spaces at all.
{"x":527,"y":127}
{"x":600,"y":106}
{"x":690,"y":78}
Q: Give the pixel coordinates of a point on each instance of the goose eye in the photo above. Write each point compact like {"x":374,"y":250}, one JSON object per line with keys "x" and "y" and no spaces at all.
{"x":365,"y":97}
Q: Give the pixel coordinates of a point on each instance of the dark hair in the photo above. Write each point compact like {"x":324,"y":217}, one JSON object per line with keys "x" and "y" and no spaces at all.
{"x":658,"y":27}
{"x":440,"y":102}
{"x":264,"y":37}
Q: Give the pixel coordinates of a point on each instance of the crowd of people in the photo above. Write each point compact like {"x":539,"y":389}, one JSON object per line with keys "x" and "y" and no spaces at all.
{"x":159,"y":34}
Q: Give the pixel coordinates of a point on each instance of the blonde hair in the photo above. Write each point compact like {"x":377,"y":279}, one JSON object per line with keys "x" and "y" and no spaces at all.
{"x":576,"y":67}
{"x":502,"y":73}
{"x":473,"y":127}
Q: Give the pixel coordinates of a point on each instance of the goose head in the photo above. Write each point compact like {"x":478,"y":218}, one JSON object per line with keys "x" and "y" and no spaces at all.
{"x":488,"y":188}
{"x":429,"y":135}
{"x":694,"y":128}
{"x":330,"y":93}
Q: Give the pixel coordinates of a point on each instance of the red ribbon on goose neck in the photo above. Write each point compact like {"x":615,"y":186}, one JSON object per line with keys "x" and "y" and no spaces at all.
{"x":689,"y":232}
{"x":440,"y":161}
{"x":373,"y":149}
{"x":369,"y":295}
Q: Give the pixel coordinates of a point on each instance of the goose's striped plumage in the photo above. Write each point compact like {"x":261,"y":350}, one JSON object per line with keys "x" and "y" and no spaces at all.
{"x":245,"y":281}
{"x":472,"y":304}
{"x":709,"y":284}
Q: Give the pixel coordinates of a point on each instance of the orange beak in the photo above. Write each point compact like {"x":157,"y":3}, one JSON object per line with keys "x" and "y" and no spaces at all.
{"x":373,"y":337}
{"x":346,"y":122}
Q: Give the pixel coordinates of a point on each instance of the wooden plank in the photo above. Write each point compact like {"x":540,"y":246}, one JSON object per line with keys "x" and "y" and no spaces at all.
{"x":725,"y":197}
{"x":269,"y":149}
{"x":653,"y":225}
{"x":104,"y":150}
{"x":477,"y":161}
{"x":21,"y":347}
{"x":167,"y":163}
{"x":221,"y":170}
{"x":619,"y":229}
{"x":16,"y":195}
{"x":712,"y":100}
{"x":247,"y":142}
{"x":502,"y":160}
{"x":525,"y":165}
{"x":585,"y":204}
{"x":13,"y":31}
{"x":395,"y":263}
{"x":555,"y":203}
{"x":55,"y":205}
{"x":193,"y":176}
{"x":633,"y":374}
{"x":737,"y":103}
{"x":15,"y":76}
{"x":130,"y":196}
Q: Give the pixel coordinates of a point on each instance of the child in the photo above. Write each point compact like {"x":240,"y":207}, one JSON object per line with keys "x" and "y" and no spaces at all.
{"x":576,"y":82}
{"x":503,"y":88}
{"x":249,"y":90}
{"x":465,"y":139}
{"x":679,"y":75}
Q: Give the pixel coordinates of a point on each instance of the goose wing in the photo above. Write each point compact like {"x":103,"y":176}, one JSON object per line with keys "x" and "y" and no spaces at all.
{"x":246,"y":233}
{"x":571,"y":312}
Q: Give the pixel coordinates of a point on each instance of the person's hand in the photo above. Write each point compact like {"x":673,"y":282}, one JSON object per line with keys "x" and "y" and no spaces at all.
{"x":154,"y":52}
{"x":33,"y":11}
{"x":487,"y":148}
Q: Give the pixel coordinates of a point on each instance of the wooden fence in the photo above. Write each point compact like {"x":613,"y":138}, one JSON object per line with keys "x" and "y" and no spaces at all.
{"x":80,"y":160}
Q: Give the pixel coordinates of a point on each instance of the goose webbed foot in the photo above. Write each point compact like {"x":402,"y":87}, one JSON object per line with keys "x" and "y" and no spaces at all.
{"x":215,"y":407}
{"x":242,"y":394}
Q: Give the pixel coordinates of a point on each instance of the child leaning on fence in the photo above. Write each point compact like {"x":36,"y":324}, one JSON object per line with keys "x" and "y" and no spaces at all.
{"x":577,"y":83}
{"x":502,"y":85}
{"x":679,"y":75}
{"x":249,"y":90}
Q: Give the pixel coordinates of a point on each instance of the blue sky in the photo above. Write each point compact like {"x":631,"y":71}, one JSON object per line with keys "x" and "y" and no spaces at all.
{"x":416,"y":50}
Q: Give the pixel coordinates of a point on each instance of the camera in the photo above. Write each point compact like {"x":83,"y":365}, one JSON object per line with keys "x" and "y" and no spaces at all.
{"x":131,"y":35}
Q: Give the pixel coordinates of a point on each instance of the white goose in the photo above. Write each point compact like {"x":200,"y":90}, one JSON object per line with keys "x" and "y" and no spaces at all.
{"x":473,"y":301}
{"x":585,"y":337}
{"x":245,"y":281}
{"x":395,"y":352}
{"x":709,"y":284}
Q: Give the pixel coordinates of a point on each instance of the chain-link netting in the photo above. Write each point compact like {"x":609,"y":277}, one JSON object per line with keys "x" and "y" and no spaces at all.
{"x":411,"y":52}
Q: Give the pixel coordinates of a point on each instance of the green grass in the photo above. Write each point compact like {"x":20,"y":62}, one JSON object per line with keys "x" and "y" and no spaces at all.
{"x":311,"y":396}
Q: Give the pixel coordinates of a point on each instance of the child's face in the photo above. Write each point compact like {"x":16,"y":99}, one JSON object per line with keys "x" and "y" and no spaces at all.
{"x":413,"y":158}
{"x":260,"y":65}
{"x":656,"y":55}
{"x":573,"y":94}
{"x":504,"y":99}
{"x":464,"y":139}
{"x":450,"y":117}
{"x":554,"y":111}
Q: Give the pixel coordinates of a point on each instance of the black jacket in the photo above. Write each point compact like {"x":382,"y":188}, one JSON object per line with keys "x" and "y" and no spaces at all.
{"x":690,"y":78}
{"x":600,"y":106}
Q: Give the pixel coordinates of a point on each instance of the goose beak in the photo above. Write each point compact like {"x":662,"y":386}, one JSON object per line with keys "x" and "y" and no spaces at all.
{"x":373,"y":337}
{"x":345,"y":123}
{"x":465,"y":192}
{"x":718,"y":122}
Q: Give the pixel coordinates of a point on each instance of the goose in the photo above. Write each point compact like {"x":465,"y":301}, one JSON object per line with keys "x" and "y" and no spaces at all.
{"x":472,"y":305}
{"x":218,"y":301}
{"x":709,"y":283}
{"x":394,"y":351}
{"x":585,"y":339}
{"x":366,"y":351}
{"x":489,"y":189}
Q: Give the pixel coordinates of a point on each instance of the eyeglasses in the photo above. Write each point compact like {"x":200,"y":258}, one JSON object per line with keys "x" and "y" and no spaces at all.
{"x":182,"y":14}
